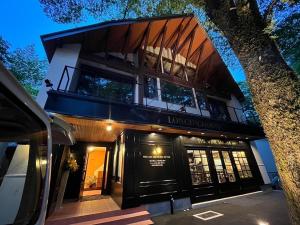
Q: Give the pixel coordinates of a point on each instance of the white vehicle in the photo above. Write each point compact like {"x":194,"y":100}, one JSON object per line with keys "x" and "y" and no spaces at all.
{"x":26,"y":139}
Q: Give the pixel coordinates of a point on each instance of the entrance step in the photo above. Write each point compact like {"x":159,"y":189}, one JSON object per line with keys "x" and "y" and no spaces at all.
{"x":133,"y":216}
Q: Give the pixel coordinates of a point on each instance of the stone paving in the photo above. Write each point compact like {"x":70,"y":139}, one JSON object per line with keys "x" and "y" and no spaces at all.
{"x":265,"y":208}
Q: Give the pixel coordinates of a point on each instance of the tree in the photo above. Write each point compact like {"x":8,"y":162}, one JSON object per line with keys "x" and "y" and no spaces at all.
{"x":288,"y":39}
{"x":25,"y":64}
{"x":4,"y":46}
{"x":247,"y":26}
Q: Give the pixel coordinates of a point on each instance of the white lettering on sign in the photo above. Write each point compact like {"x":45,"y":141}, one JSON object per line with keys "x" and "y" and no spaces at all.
{"x":157,"y":160}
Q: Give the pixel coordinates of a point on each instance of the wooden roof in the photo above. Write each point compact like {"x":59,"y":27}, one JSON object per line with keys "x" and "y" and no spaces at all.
{"x":182,"y":34}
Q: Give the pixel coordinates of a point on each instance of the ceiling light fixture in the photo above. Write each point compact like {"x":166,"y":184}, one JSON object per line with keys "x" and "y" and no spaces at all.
{"x":160,"y":129}
{"x":90,"y":148}
{"x":202,"y":133}
{"x":109,"y":127}
{"x":189,"y":132}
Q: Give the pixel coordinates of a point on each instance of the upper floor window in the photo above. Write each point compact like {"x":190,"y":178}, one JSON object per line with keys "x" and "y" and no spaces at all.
{"x":177,"y":94}
{"x":218,"y":109}
{"x":201,"y":100}
{"x":105,"y":86}
{"x":150,"y":88}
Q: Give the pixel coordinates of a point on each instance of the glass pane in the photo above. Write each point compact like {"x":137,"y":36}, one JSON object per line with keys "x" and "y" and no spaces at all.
{"x":201,"y":99}
{"x":218,"y":109}
{"x":95,"y":85}
{"x":228,"y":166}
{"x":219,"y":167}
{"x":176,"y":94}
{"x":151,"y":88}
{"x":242,"y":164}
{"x":199,"y":167}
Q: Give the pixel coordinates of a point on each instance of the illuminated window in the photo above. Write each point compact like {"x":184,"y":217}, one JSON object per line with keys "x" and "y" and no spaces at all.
{"x":219,"y":167}
{"x":242,"y":164}
{"x":199,"y":167}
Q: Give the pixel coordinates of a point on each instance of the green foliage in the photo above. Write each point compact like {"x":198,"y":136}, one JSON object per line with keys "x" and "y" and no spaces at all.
{"x":248,"y":105}
{"x":4,"y":46}
{"x":288,"y":33}
{"x":25,"y":64}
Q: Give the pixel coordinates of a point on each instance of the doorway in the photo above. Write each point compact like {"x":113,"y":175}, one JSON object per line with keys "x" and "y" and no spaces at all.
{"x":218,"y":172}
{"x":94,"y":172}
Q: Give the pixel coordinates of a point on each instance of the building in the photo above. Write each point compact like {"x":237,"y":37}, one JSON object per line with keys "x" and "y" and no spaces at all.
{"x":155,"y":111}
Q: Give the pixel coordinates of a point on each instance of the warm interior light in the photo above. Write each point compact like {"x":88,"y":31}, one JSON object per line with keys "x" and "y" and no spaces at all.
{"x":160,"y":128}
{"x":109,"y":127}
{"x":260,"y":222}
{"x":189,"y":132}
{"x":157,"y":150}
{"x":90,"y":148}
{"x":202,"y":133}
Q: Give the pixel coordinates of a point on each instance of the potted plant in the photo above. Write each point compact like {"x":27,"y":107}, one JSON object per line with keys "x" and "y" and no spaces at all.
{"x":70,"y":165}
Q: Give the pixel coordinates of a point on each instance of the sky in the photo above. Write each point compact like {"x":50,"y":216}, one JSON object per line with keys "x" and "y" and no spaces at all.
{"x":22,"y":22}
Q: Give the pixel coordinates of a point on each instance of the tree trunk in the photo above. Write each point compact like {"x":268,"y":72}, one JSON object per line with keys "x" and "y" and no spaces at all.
{"x":275,"y":88}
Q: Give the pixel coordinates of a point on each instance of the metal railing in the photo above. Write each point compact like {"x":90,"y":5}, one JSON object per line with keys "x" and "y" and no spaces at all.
{"x":235,"y":115}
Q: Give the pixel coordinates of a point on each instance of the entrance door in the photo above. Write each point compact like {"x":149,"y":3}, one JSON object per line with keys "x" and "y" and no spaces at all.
{"x":224,"y":166}
{"x":94,"y":171}
{"x":201,"y":175}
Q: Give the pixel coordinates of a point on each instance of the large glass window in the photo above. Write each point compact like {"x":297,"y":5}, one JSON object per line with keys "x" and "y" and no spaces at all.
{"x":201,"y":100}
{"x":92,"y":83}
{"x":242,"y":164}
{"x":218,"y":109}
{"x":177,"y":94}
{"x":228,"y":166}
{"x":219,"y":167}
{"x":150,"y":88}
{"x":199,"y":167}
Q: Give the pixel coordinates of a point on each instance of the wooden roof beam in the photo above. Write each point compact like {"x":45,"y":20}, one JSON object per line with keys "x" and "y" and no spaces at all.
{"x":189,"y":50}
{"x":188,"y":38}
{"x":197,"y":49}
{"x":206,"y":63}
{"x":176,"y":31}
{"x":142,"y":38}
{"x":175,"y":50}
{"x":198,"y":62}
{"x":160,"y":34}
{"x":127,"y":38}
{"x":145,"y":40}
{"x":161,"y":48}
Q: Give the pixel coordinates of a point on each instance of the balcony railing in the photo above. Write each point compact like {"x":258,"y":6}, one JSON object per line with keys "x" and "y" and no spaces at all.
{"x":235,"y":115}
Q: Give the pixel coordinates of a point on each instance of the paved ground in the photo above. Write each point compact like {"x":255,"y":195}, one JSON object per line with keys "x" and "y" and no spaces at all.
{"x":267,"y":208}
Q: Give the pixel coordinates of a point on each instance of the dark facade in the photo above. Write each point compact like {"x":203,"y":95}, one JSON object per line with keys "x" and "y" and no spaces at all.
{"x":177,"y":127}
{"x":158,"y":166}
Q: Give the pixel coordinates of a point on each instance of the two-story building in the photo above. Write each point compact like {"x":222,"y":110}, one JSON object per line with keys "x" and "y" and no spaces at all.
{"x":156,"y":113}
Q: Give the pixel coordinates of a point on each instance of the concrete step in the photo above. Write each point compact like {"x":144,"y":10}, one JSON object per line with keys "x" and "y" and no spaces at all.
{"x":134,"y":216}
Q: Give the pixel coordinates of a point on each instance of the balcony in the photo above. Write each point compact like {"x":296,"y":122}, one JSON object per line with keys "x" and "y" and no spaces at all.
{"x":115,"y":98}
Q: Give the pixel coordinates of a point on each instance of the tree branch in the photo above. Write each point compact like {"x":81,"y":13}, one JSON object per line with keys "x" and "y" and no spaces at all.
{"x":269,"y":10}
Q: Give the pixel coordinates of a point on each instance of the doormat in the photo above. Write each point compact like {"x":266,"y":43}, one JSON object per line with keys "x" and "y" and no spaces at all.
{"x":208,"y":215}
{"x":93,"y":197}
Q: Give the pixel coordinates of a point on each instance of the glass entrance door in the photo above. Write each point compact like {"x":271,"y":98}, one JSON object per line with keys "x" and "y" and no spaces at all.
{"x":224,"y":166}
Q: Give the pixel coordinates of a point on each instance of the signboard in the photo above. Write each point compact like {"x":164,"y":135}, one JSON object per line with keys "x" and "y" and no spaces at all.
{"x":156,"y":163}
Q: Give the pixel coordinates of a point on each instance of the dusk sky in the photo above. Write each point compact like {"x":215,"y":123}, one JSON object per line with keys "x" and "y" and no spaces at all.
{"x":22,"y":23}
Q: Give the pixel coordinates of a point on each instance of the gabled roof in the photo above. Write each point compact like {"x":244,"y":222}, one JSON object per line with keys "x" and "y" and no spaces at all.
{"x":183,"y":34}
